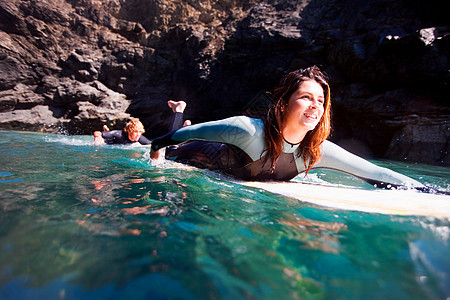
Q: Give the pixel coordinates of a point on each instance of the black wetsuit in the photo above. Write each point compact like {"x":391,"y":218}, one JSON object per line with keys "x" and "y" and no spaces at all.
{"x":121,"y":137}
{"x":236,"y":146}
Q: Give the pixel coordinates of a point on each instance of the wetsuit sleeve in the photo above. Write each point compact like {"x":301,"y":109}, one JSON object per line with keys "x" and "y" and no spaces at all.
{"x":177,"y":121}
{"x":241,"y":131}
{"x":112,"y":137}
{"x":336,"y":158}
{"x":166,"y":140}
{"x":144,"y":141}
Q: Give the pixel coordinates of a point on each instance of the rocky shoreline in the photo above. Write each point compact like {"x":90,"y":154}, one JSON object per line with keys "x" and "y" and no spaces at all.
{"x":71,"y":66}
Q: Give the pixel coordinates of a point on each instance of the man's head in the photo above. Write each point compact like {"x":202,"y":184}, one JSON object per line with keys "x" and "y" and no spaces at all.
{"x":134,"y":129}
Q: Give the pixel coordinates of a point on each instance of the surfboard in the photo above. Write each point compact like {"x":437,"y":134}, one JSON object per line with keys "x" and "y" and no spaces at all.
{"x":392,"y":202}
{"x":381,"y":201}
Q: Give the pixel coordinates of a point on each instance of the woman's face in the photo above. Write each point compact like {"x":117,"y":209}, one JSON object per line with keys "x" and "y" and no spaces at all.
{"x":306,"y":105}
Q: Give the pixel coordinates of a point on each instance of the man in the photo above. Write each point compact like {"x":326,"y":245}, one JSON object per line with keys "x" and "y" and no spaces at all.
{"x":132,"y":133}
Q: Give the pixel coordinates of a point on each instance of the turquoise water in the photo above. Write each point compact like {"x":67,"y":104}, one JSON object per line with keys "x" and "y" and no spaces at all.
{"x":81,"y":221}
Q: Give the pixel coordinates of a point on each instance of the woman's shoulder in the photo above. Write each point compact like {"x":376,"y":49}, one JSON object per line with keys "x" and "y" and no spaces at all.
{"x":244,"y":121}
{"x":246,"y":124}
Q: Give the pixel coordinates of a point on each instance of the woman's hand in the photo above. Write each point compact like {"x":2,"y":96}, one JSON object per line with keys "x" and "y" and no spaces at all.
{"x":155,"y":155}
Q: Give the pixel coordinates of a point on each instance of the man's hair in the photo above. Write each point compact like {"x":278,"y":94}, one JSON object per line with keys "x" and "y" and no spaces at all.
{"x":134,"y":125}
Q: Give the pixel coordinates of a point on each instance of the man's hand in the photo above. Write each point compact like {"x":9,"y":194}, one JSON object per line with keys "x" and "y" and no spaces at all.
{"x":98,"y":139}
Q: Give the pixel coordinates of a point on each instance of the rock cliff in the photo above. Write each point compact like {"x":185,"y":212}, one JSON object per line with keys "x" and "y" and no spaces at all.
{"x":72,"y":65}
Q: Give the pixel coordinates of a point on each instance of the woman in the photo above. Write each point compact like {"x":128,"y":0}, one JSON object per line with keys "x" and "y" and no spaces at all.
{"x":289,"y":141}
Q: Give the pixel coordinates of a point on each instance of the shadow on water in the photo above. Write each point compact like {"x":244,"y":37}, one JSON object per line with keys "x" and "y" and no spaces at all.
{"x":97,"y":222}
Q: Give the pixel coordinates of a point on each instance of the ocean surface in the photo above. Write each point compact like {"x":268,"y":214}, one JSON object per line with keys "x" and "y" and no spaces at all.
{"x":82,"y":221}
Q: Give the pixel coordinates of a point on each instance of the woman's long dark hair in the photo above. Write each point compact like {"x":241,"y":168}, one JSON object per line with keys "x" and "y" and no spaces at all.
{"x":310,"y":147}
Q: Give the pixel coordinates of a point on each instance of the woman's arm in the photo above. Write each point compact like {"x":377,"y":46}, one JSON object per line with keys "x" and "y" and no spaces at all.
{"x":334,"y":157}
{"x":241,"y":131}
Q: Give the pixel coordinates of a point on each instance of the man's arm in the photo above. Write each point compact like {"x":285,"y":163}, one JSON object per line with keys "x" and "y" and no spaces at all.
{"x":144,"y":141}
{"x":110,"y":137}
{"x":98,"y":139}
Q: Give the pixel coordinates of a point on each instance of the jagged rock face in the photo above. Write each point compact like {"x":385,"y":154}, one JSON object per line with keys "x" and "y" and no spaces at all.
{"x":74,"y":65}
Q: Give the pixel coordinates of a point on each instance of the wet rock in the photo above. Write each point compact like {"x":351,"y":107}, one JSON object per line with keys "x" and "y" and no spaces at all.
{"x":79,"y":64}
{"x":12,"y":72}
{"x":416,"y":138}
{"x":38,"y":118}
